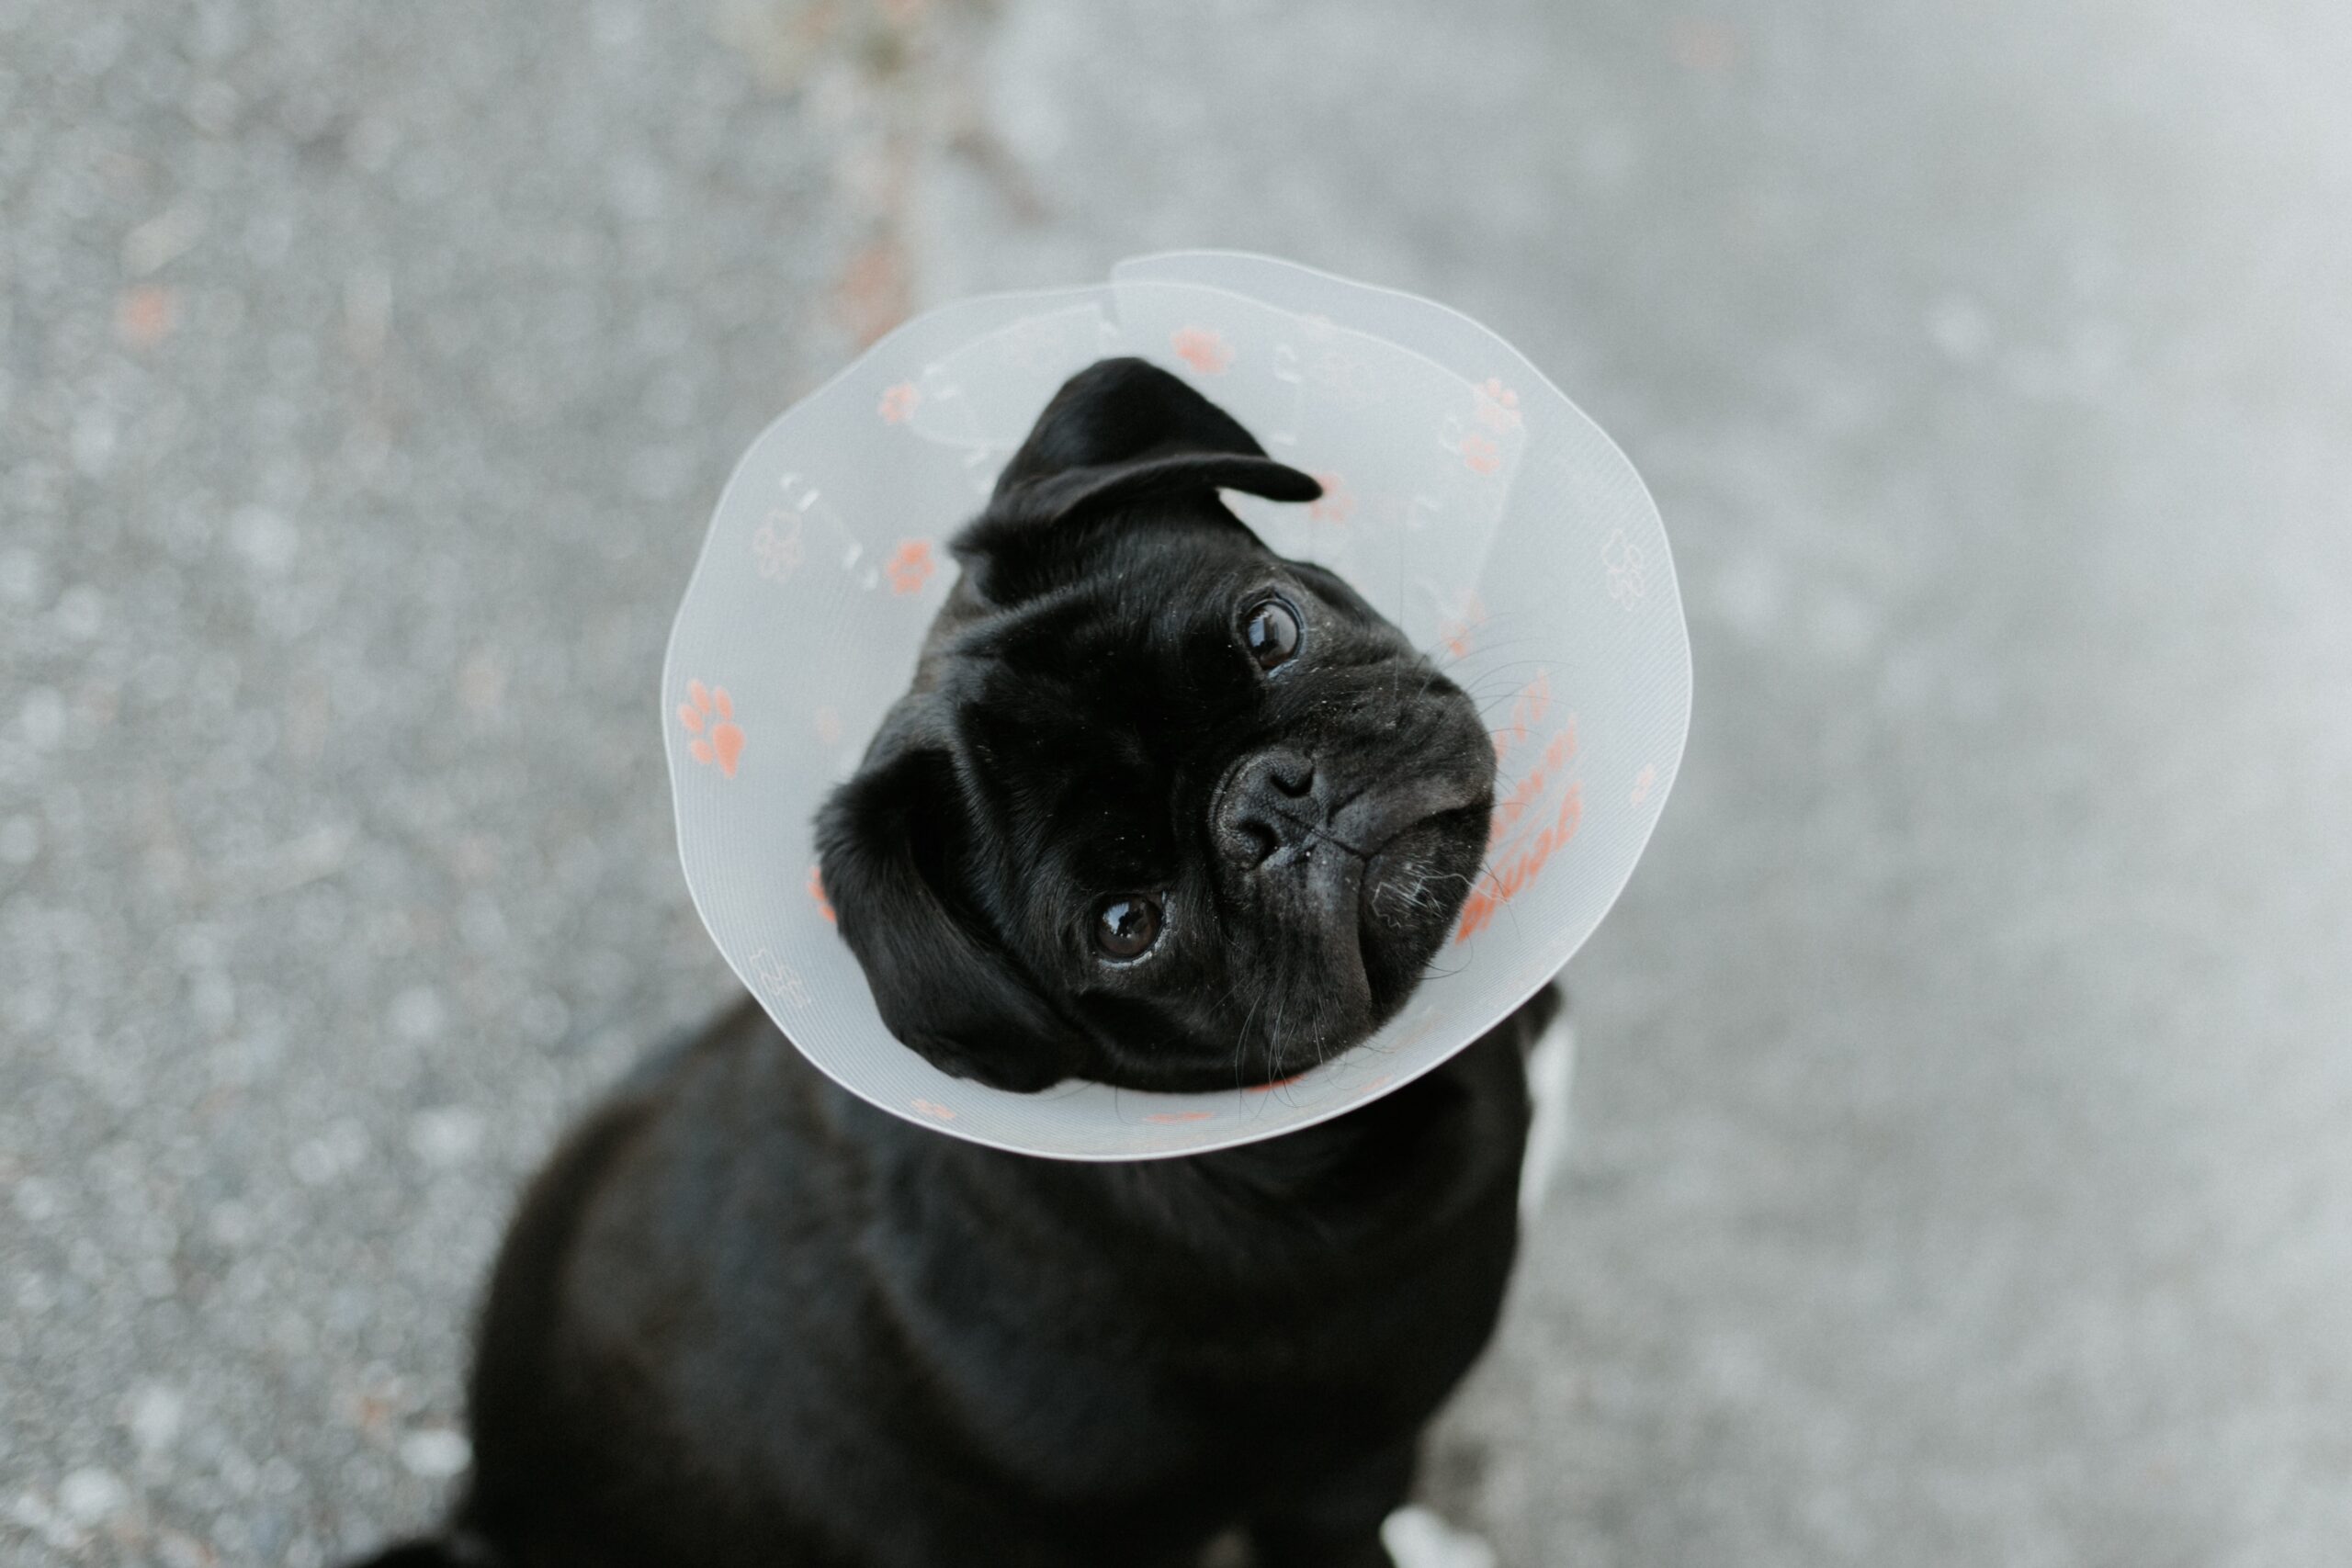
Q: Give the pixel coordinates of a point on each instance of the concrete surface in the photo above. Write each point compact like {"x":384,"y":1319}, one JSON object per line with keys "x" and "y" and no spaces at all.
{"x":1963,"y":1173}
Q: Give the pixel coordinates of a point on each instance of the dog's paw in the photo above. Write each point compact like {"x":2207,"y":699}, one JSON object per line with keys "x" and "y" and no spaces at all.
{"x":1551,"y":1075}
{"x":1418,"y":1539}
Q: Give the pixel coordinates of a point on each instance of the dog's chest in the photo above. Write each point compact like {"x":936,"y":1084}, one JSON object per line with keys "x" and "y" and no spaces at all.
{"x":1111,"y":1360}
{"x":1105,"y":1386}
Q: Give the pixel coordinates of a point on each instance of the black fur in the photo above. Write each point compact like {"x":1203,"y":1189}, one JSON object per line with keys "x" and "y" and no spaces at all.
{"x":744,"y":1318}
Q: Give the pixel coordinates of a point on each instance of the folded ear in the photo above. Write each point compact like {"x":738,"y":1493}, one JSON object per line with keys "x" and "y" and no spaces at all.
{"x":887,"y":839}
{"x":1118,"y":411}
{"x":1118,"y":432}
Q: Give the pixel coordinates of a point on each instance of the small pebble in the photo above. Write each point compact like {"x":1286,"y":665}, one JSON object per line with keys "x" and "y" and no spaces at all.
{"x":156,"y":1413}
{"x":436,"y":1453}
{"x":91,"y":1495}
{"x":446,"y":1137}
{"x":417,"y":1013}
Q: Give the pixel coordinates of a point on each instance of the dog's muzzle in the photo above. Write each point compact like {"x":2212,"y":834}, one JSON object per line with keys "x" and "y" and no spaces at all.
{"x":1280,"y":812}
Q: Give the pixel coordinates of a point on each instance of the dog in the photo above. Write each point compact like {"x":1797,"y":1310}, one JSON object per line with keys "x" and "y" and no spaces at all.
{"x":1160,"y":809}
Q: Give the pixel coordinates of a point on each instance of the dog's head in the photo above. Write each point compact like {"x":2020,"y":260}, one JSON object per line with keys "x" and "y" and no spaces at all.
{"x":1162,"y":808}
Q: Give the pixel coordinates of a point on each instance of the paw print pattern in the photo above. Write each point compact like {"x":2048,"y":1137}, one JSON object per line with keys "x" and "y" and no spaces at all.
{"x":1527,"y":710}
{"x":1465,"y":613}
{"x":1278,"y":1083}
{"x":899,"y":403}
{"x":1644,"y":781}
{"x":1336,"y":504}
{"x":817,"y":893}
{"x":1628,"y":570}
{"x":933,"y":1110}
{"x":778,"y":978}
{"x":910,"y":566}
{"x":1521,"y":798}
{"x":1497,"y":405}
{"x":1203,"y":348}
{"x":777,"y":546}
{"x":1527,"y":829}
{"x":1480,"y":454}
{"x":1515,"y":864}
{"x":708,"y":715}
{"x":1349,"y":379}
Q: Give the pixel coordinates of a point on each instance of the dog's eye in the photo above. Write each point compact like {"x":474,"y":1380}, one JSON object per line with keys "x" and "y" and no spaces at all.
{"x":1272,"y":632}
{"x":1128,"y":926}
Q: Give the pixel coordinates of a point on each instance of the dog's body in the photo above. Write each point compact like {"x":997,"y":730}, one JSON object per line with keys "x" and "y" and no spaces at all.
{"x":1163,"y":810}
{"x":745,"y":1318}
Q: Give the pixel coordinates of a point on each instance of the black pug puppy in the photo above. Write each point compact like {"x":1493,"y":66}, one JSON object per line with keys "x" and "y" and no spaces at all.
{"x":1161,"y":809}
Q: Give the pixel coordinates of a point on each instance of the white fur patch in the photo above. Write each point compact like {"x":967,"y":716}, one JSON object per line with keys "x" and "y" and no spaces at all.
{"x":1551,"y":1074}
{"x":1418,"y":1539}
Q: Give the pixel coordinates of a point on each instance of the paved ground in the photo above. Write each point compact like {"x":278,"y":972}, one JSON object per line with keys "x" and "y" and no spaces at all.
{"x":1964,"y":1174}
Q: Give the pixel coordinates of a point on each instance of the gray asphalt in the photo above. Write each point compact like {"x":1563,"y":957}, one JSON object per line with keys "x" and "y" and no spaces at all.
{"x":1963,"y":1171}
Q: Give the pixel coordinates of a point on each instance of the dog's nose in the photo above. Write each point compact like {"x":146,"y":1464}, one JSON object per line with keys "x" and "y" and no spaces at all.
{"x":1269,"y":804}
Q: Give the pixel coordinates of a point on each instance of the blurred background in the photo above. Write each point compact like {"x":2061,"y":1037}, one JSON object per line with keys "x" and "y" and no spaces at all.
{"x":1964,"y":1170}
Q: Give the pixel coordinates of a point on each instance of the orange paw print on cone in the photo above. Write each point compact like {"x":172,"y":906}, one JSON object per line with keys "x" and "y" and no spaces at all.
{"x":708,"y":715}
{"x":1203,"y":348}
{"x":908,"y":566}
{"x":1457,"y":631}
{"x":1481,"y":455}
{"x":1335,"y":504}
{"x":1497,"y":405}
{"x":899,"y":403}
{"x":1278,"y":1083}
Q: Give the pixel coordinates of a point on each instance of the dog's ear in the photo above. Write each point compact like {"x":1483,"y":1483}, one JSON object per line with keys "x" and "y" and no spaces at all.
{"x":1119,"y":431}
{"x":888,"y":840}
